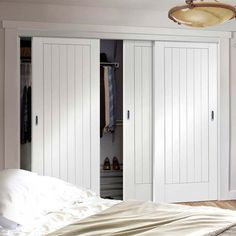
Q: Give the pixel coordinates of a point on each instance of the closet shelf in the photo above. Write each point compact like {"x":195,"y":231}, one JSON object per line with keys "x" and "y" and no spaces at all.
{"x":119,"y":122}
{"x":112,"y":183}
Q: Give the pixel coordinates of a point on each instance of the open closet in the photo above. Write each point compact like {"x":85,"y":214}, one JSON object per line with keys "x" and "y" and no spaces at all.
{"x":25,"y":103}
{"x":111,"y":115}
{"x":111,"y":119}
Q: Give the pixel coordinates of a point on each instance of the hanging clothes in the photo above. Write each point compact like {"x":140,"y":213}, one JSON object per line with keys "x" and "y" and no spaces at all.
{"x":108,"y":106}
{"x":25,"y":103}
{"x":24,"y":117}
{"x":107,"y":97}
{"x":29,"y":105}
{"x":102,"y":102}
{"x":111,"y":100}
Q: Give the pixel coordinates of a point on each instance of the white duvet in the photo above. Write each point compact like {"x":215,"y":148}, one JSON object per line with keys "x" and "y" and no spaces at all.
{"x":55,"y":220}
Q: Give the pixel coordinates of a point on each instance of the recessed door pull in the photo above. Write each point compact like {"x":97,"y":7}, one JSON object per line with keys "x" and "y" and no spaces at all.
{"x":212,"y":115}
{"x":128,"y":115}
{"x":36,"y":120}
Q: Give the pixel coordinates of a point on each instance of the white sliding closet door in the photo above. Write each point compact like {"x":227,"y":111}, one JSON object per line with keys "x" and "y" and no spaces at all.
{"x":65,"y":111}
{"x":138,"y":120}
{"x":185,"y":122}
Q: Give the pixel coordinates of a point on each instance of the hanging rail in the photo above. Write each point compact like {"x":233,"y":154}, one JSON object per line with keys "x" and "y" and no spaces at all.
{"x":115,"y":64}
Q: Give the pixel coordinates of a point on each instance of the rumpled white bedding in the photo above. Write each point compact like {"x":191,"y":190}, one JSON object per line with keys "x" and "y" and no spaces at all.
{"x":58,"y":219}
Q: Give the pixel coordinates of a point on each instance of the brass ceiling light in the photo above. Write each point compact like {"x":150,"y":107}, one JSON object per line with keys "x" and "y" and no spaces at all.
{"x":202,"y":14}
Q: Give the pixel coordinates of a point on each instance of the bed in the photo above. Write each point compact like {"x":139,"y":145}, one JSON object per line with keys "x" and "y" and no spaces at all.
{"x":36,"y":205}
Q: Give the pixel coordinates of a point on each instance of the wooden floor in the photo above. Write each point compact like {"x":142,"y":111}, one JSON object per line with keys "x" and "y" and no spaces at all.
{"x":221,"y":204}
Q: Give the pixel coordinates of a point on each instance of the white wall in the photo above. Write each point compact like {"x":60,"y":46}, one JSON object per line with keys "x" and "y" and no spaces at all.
{"x":86,"y":15}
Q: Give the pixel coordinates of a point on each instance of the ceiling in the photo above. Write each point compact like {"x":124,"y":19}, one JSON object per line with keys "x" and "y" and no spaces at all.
{"x":161,"y":5}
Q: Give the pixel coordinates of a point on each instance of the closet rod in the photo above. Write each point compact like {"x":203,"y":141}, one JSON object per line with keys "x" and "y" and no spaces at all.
{"x":115,"y":64}
{"x":24,"y":60}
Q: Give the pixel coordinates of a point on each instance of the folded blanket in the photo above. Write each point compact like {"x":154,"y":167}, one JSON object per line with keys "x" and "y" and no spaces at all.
{"x":148,"y":218}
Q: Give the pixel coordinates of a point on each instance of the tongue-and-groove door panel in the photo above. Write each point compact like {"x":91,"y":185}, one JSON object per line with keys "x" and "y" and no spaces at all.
{"x":185,"y":121}
{"x":66,"y":110}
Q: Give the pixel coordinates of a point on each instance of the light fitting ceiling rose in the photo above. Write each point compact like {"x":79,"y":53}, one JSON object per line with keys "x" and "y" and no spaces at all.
{"x":202,"y":14}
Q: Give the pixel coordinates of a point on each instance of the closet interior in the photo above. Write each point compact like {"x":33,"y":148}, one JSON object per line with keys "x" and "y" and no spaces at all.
{"x":111,"y":119}
{"x":25,"y":103}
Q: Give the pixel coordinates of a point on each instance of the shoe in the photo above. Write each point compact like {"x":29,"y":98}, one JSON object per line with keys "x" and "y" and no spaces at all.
{"x":107,"y":164}
{"x":115,"y":164}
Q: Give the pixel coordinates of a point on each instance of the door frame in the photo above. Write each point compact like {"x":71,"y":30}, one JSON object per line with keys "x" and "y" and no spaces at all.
{"x":16,"y":29}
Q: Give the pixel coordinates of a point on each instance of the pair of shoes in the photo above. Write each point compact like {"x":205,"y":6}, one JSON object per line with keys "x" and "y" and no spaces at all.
{"x":115,"y":164}
{"x":107,"y":164}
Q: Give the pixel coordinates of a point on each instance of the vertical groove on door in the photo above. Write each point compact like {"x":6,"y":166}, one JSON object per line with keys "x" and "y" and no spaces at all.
{"x":47,"y":110}
{"x":71,"y":114}
{"x":146,"y":114}
{"x":79,"y":115}
{"x":197,"y":101}
{"x":86,"y":115}
{"x":190,"y":115}
{"x":168,"y":116}
{"x":63,"y":113}
{"x":138,"y":116}
{"x":205,"y":116}
{"x":183,"y":116}
{"x":175,"y":116}
{"x":55,"y":112}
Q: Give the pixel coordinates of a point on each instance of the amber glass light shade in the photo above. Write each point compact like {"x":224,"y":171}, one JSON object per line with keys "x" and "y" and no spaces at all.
{"x":202,"y":14}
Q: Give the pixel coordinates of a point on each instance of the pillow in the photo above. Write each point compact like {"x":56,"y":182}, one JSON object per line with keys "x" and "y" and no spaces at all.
{"x":60,"y":193}
{"x":8,"y":224}
{"x":17,"y":188}
{"x":25,"y":196}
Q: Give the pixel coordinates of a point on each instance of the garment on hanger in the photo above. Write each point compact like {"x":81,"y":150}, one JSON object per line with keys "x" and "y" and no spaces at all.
{"x":24,"y":117}
{"x":107,"y":102}
{"x":111,"y":99}
{"x":25,"y":103}
{"x":107,"y":94}
{"x":29,"y":114}
{"x":102,"y":102}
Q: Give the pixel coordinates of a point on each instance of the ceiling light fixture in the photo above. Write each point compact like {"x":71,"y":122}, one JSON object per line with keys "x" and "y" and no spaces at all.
{"x":202,"y":14}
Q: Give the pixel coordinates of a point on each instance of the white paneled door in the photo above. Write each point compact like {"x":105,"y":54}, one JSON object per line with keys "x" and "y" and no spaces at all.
{"x":138,"y":75}
{"x":185,"y":118}
{"x":65,"y":115}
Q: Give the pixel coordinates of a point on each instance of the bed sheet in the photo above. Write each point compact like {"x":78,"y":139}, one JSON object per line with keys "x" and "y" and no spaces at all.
{"x":54,"y":220}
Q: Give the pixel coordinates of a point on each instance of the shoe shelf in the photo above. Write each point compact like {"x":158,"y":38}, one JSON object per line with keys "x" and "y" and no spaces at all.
{"x":111,"y":185}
